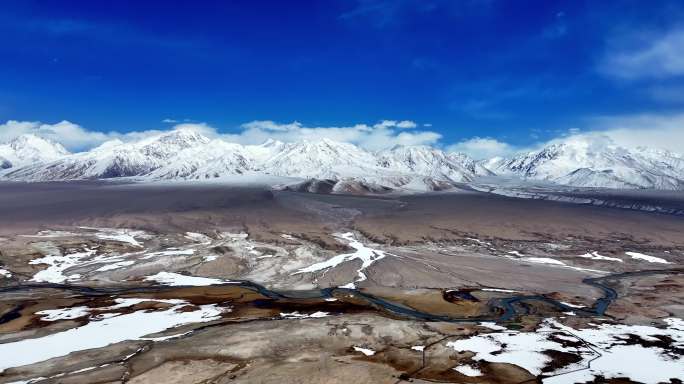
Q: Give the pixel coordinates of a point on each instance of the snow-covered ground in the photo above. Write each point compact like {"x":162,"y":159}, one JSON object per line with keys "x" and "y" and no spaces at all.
{"x":610,"y":354}
{"x":101,"y":331}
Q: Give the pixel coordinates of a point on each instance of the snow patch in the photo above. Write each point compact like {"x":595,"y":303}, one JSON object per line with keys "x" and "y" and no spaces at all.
{"x":498,"y":290}
{"x":63,"y":313}
{"x":367,"y":256}
{"x":176,"y":279}
{"x":297,"y":315}
{"x":544,"y":260}
{"x":116,"y":265}
{"x":650,"y":259}
{"x":170,"y":252}
{"x":122,"y":235}
{"x":365,"y":351}
{"x":57,"y":265}
{"x":571,"y":305}
{"x":198,"y":238}
{"x":595,"y":256}
{"x":467,"y":370}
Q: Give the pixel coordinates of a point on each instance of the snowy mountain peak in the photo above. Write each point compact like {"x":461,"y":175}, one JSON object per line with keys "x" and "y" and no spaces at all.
{"x":185,"y":137}
{"x":595,"y":162}
{"x":426,"y":161}
{"x":185,"y":153}
{"x":326,"y":159}
{"x":34,"y":143}
{"x":29,"y":149}
{"x":269,"y":143}
{"x":168,"y":144}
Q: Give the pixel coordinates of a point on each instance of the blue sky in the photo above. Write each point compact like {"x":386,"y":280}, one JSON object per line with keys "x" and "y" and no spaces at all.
{"x":516,"y":73}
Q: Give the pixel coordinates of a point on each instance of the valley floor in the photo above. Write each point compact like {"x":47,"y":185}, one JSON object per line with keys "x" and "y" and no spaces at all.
{"x":109,"y":283}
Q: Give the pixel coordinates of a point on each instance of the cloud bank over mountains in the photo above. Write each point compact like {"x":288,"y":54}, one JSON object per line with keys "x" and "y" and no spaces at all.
{"x":630,"y":131}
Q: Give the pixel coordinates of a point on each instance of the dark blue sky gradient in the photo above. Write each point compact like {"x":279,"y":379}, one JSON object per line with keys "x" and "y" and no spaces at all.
{"x":514,"y":70}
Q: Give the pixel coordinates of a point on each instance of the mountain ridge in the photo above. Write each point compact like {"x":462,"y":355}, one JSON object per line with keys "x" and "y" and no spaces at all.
{"x":185,"y":154}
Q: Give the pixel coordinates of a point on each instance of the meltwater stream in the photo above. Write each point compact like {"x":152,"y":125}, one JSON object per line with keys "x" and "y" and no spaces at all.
{"x":501,"y":309}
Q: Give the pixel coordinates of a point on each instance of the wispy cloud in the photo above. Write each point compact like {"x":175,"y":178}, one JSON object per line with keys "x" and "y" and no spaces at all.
{"x":646,"y":55}
{"x":387,"y":13}
{"x":647,"y":130}
{"x":667,"y":93}
{"x":104,"y":32}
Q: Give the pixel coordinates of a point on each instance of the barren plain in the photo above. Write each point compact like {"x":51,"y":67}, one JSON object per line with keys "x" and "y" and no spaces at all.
{"x":211,"y":283}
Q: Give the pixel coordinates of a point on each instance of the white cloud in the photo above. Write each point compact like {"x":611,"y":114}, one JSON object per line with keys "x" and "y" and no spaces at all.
{"x":170,"y":121}
{"x":658,"y":131}
{"x":646,"y":130}
{"x":629,"y":131}
{"x":72,"y":136}
{"x":406,"y":124}
{"x":646,"y":56}
{"x":384,"y":134}
{"x":483,"y":147}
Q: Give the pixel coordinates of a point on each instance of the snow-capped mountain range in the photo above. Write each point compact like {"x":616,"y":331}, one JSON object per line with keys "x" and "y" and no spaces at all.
{"x":596,"y":162}
{"x":184,"y":154}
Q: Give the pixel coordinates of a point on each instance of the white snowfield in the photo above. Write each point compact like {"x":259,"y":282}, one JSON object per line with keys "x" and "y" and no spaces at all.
{"x":610,"y":354}
{"x":102,"y":331}
{"x":185,"y":154}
